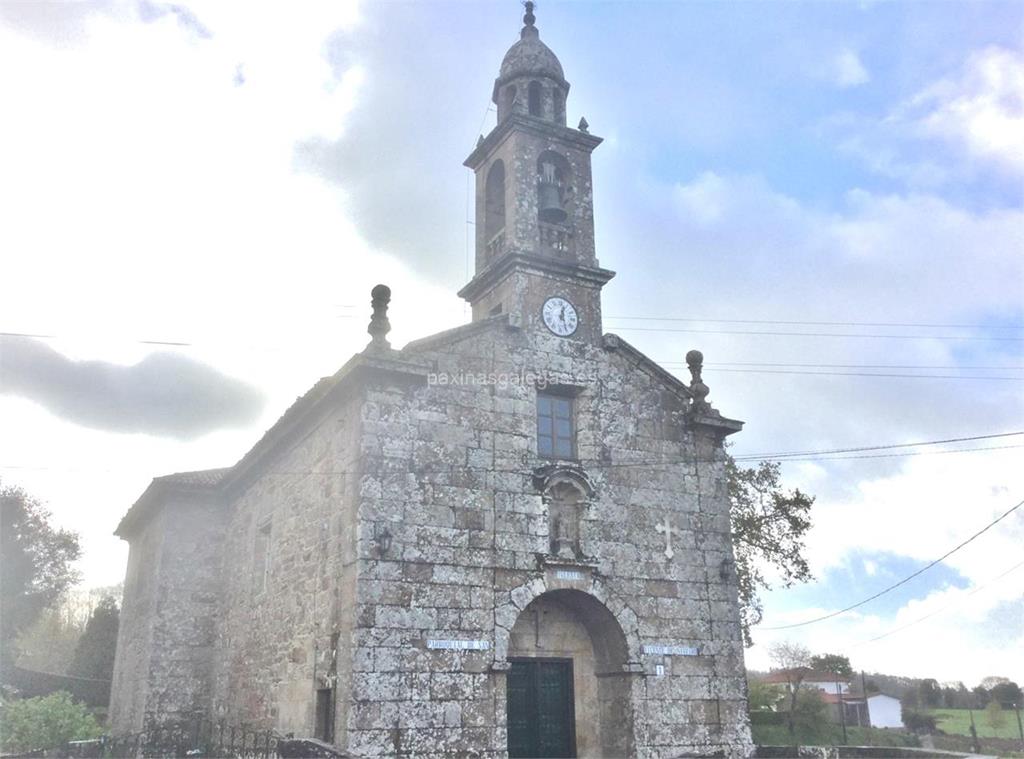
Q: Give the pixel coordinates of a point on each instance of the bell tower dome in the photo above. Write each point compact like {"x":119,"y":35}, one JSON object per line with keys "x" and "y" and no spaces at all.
{"x":531,"y":80}
{"x":534,"y":199}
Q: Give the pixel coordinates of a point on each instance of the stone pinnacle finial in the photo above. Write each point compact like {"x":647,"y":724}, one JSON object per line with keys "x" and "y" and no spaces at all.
{"x":529,"y":30}
{"x":584,"y":125}
{"x":529,"y":19}
{"x":379,"y":324}
{"x":695,"y":360}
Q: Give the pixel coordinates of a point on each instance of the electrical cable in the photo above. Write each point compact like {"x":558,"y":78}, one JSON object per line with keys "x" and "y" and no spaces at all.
{"x":906,"y":579}
{"x":978,"y":589}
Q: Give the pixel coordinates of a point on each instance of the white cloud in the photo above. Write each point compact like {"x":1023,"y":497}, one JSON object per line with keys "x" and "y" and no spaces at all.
{"x":848,"y":70}
{"x":952,"y":128}
{"x":149,"y":195}
{"x":980,"y":108}
{"x":950,"y":634}
{"x":734,"y":246}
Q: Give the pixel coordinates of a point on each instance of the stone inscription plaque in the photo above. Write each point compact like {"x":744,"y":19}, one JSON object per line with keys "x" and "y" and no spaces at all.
{"x":459,"y":645}
{"x":660,"y":650}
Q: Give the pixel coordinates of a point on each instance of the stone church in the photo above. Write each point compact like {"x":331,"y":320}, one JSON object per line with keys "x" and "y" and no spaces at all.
{"x":509,"y":539}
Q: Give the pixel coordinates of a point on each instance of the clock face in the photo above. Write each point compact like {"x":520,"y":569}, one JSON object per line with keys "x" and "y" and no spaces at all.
{"x":560,"y":316}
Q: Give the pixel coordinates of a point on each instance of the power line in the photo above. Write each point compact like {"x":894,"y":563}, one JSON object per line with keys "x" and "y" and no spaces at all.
{"x":870,"y":374}
{"x":887,"y":446}
{"x":940,"y":610}
{"x":906,"y":579}
{"x":925,"y":325}
{"x":764,"y":333}
{"x":591,"y":464}
{"x":896,"y":455}
{"x":850,"y":366}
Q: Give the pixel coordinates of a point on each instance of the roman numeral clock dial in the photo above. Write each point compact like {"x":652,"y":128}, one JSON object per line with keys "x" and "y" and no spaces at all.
{"x":560,"y":316}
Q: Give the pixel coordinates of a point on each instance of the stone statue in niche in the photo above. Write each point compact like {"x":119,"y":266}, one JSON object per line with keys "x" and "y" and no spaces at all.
{"x":565,"y":501}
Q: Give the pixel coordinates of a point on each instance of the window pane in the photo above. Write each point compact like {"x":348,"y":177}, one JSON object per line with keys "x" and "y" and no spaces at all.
{"x":544,"y":446}
{"x":563,"y":448}
{"x":555,"y":426}
{"x":544,"y":405}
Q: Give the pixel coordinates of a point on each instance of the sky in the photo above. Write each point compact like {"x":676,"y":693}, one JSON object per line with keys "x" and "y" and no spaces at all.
{"x":825,"y":198}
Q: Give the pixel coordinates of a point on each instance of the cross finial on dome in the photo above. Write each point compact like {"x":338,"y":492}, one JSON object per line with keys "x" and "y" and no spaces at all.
{"x":529,"y":18}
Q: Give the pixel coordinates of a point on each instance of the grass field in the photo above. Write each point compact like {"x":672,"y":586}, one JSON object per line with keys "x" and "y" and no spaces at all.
{"x":827,"y":734}
{"x":958,"y":722}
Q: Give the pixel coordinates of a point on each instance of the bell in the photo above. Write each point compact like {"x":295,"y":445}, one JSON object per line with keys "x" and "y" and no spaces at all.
{"x":550,"y":203}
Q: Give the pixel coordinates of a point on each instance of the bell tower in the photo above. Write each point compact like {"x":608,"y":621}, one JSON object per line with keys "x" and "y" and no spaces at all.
{"x":534,"y":202}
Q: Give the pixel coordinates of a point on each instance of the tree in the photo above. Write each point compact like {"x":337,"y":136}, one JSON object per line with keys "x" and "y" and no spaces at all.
{"x":94,"y":655}
{"x":994,"y":715}
{"x":768,"y":527}
{"x":763,"y":696}
{"x":792,"y":660}
{"x":990,"y":682}
{"x":48,"y":644}
{"x":835,"y":664}
{"x":918,"y":722}
{"x":1007,"y":693}
{"x":930,"y":692}
{"x":35,"y":563}
{"x":45,"y":722}
{"x":809,"y":711}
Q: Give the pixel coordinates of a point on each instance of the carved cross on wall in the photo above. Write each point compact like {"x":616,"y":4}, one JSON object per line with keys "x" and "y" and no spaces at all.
{"x":666,"y":528}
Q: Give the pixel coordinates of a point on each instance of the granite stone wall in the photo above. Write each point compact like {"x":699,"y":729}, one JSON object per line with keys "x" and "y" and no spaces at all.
{"x":284,"y":631}
{"x":413,"y":514}
{"x":449,"y":473}
{"x":172,"y":598}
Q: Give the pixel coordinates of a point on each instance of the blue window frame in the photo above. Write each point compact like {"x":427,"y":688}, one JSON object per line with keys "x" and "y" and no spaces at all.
{"x":556,"y":436}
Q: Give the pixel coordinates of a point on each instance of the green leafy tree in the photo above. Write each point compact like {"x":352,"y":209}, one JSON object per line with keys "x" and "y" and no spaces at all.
{"x":94,"y":655}
{"x":769,"y":526}
{"x":1007,"y":693}
{"x":930,"y":693}
{"x":918,"y":722}
{"x":763,"y":696}
{"x":994,"y":715}
{"x":809,"y":711}
{"x":48,"y":644}
{"x":45,"y":722}
{"x":35,"y":563}
{"x":835,"y":664}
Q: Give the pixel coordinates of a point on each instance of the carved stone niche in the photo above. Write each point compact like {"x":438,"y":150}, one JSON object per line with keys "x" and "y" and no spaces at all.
{"x":566,"y":491}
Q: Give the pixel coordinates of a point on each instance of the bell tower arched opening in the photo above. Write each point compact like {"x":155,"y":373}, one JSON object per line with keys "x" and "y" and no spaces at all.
{"x":534,"y":96}
{"x":494,"y":208}
{"x":568,"y":691}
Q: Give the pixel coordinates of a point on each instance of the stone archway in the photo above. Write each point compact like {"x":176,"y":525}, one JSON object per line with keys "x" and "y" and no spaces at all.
{"x":572,"y":630}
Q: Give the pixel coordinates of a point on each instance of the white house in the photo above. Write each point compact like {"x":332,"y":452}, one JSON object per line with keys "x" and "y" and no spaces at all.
{"x":884,"y":711}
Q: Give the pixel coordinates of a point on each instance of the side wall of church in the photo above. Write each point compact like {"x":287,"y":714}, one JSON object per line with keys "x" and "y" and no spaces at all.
{"x":448,"y":473}
{"x":134,"y":635}
{"x":171,"y":601}
{"x":290,"y":578}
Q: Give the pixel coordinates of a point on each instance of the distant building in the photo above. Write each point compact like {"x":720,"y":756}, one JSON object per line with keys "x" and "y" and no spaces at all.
{"x":885,"y":711}
{"x":835,"y":692}
{"x":809,"y":678}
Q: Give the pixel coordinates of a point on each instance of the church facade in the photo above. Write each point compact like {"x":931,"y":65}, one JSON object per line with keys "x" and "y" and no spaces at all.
{"x":510,"y":539}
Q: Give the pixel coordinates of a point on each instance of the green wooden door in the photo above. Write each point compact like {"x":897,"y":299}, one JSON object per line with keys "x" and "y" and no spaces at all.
{"x":540,"y":709}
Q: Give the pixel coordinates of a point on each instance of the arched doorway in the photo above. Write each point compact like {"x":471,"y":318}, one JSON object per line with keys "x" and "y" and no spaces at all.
{"x":568,"y":692}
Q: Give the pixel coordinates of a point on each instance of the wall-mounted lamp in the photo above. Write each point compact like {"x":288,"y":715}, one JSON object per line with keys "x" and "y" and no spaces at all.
{"x":383,"y":539}
{"x":724,"y":570}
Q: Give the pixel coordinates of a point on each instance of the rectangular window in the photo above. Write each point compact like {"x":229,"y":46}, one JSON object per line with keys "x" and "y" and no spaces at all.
{"x":261,"y":556}
{"x":555,"y":430}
